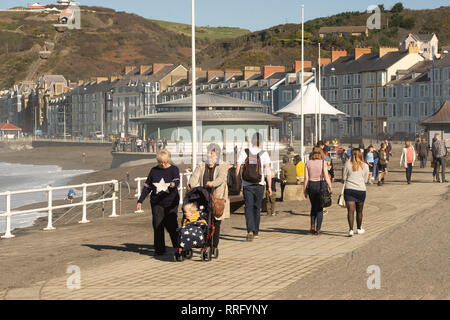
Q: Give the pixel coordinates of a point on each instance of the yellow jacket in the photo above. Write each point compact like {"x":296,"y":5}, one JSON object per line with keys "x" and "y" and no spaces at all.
{"x":194,"y":217}
{"x":300,"y":169}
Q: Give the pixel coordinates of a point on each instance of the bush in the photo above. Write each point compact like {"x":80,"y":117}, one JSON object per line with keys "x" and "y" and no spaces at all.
{"x":398,"y":7}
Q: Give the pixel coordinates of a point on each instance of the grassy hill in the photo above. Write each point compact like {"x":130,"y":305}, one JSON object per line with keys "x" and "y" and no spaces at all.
{"x":211,"y":33}
{"x":109,"y":40}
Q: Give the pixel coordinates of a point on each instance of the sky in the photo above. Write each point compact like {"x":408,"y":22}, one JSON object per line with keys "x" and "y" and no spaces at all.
{"x":248,"y":14}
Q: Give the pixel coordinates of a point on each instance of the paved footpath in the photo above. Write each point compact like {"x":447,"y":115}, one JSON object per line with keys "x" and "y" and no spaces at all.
{"x":284,"y":254}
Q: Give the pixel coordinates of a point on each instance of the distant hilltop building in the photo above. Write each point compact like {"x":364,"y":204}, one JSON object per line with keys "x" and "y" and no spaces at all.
{"x":36,"y":6}
{"x":427,"y":44}
{"x":344,"y":31}
{"x":64,"y":2}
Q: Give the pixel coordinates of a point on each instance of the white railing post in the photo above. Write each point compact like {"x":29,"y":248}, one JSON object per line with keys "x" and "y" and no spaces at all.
{"x":181,"y":188}
{"x":114,"y":197}
{"x":8,"y":217}
{"x":50,"y":209}
{"x":138,"y":193}
{"x":278,"y":169}
{"x":84,"y":219}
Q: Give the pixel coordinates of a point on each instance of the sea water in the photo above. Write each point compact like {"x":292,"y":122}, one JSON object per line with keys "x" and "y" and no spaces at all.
{"x":15,"y":177}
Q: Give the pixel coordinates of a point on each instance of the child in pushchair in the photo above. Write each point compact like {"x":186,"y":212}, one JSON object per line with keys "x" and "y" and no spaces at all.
{"x":197,"y":229}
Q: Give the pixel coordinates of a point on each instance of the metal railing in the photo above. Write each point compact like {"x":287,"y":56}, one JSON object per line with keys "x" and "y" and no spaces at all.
{"x":184,"y":178}
{"x":50,"y":207}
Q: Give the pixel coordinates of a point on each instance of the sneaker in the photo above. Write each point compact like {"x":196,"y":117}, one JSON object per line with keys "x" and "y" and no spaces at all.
{"x":250,"y":236}
{"x":379,"y":183}
{"x":350,"y":233}
{"x":255,"y":236}
{"x":360,"y":231}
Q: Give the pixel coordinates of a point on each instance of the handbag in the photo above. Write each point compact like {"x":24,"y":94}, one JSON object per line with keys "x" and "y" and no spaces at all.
{"x":218,"y":204}
{"x":341,"y":200}
{"x":325,"y":196}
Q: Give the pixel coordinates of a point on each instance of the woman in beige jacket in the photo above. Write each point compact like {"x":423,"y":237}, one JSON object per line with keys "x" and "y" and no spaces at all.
{"x":213,"y":177}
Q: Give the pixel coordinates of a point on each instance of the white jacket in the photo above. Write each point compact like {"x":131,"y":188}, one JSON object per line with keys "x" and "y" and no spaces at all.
{"x":403,"y":160}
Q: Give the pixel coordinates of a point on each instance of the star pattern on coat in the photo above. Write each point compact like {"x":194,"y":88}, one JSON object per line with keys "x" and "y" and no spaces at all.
{"x":161,"y":186}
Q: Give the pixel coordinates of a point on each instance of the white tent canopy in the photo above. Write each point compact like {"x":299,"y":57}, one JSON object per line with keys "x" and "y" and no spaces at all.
{"x":311,"y":104}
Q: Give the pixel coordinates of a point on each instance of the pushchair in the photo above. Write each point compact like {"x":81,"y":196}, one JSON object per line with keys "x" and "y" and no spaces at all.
{"x":197,"y":234}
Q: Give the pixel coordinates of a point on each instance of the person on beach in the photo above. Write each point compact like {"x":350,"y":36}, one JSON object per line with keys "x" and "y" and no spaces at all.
{"x":255,"y":164}
{"x":316,"y":171}
{"x":422,"y":152}
{"x":300,"y":167}
{"x":407,"y":159}
{"x":370,"y":160}
{"x":270,"y":199}
{"x":440,"y":153}
{"x":70,"y":195}
{"x":382,"y":164}
{"x":162,"y":185}
{"x":213,"y":176}
{"x":356,"y":175}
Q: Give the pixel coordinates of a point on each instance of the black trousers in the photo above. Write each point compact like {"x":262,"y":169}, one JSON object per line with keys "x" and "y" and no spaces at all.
{"x":409,"y":172}
{"x":440,"y":164}
{"x":216,"y":235}
{"x":164,"y":217}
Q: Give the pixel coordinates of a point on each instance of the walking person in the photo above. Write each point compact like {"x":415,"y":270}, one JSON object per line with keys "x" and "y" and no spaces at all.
{"x":315,"y":173}
{"x":422,"y":153}
{"x":440,"y":153}
{"x":407,"y":159}
{"x":356,"y":174}
{"x":213,"y":176}
{"x":370,"y":160}
{"x":153,"y":145}
{"x":162,"y":185}
{"x":255,"y":164}
{"x":382,"y":164}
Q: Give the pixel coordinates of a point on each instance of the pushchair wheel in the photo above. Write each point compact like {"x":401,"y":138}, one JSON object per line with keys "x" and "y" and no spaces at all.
{"x":215,"y":253}
{"x":206,"y":255}
{"x":188,"y":254}
{"x":178,"y":257}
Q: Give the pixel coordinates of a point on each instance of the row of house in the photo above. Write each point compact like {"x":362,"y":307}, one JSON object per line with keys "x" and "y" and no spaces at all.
{"x":384,"y":93}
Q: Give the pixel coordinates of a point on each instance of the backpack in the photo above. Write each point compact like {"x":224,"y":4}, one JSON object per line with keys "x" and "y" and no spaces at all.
{"x":252,"y":171}
{"x":233,"y":182}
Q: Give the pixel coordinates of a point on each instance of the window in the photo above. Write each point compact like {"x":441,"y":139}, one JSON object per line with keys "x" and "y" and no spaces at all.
{"x":407,"y":91}
{"x":357,"y":109}
{"x":257,"y":96}
{"x":437,"y":89}
{"x":333,"y":81}
{"x":382,"y":92}
{"x":347,"y":94}
{"x":345,"y":108}
{"x":287,"y":96}
{"x":266,"y":96}
{"x":325,"y":94}
{"x":347,"y":80}
{"x":356,"y":79}
{"x":324,"y":82}
{"x":369,"y":109}
{"x":382,"y":109}
{"x":356,"y":93}
{"x":423,"y":90}
{"x":381,"y":77}
{"x":424,"y":109}
{"x":333,"y":95}
{"x":244,"y":96}
{"x":407,"y":109}
{"x":369,"y":93}
{"x":370,"y":78}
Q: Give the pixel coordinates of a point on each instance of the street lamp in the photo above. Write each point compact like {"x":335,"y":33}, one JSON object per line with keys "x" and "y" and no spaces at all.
{"x":194,"y":91}
{"x":315,"y":109}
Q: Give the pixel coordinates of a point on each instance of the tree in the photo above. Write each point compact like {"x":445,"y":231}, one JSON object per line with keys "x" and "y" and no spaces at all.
{"x":382,"y":9}
{"x":408,"y":23}
{"x":398,"y":7}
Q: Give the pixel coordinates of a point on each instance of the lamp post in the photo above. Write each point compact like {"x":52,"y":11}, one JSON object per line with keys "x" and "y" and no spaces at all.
{"x":64,"y":103}
{"x":194,"y":92}
{"x":302,"y":151}
{"x":315,"y":108}
{"x":320,"y":92}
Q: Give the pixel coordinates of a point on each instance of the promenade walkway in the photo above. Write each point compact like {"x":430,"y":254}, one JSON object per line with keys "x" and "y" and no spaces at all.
{"x":116,"y":262}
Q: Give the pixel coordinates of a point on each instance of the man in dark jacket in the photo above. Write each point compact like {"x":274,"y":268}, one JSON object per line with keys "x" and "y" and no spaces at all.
{"x":422,"y":152}
{"x":439,"y":154}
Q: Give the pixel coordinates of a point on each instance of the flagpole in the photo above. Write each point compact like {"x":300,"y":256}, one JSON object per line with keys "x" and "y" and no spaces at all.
{"x":302,"y":150}
{"x":194,"y":93}
{"x":320,"y":96}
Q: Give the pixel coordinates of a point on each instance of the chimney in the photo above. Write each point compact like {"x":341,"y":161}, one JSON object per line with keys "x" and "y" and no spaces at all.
{"x":250,"y":71}
{"x":335,"y":54}
{"x":414,"y":49}
{"x":159,"y":66}
{"x":230,"y":73}
{"x":143,"y":69}
{"x":324,"y":61}
{"x":298,"y":65}
{"x":269,"y":70}
{"x":128,"y":69}
{"x":360,"y":51}
{"x":212,"y":74}
{"x":384,"y":50}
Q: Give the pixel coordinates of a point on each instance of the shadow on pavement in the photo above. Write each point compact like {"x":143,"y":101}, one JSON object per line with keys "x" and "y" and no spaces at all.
{"x":144,"y":249}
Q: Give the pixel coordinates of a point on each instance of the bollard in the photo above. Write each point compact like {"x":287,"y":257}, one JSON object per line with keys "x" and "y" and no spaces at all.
{"x":116,"y":187}
{"x":50,"y":210}
{"x":84,"y":219}
{"x":8,"y":217}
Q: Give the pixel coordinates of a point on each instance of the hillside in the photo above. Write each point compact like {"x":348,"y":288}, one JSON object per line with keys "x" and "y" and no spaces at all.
{"x":211,"y":33}
{"x":109,"y":40}
{"x":281,"y":44}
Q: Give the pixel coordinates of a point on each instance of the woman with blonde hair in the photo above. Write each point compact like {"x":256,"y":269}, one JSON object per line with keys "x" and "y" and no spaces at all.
{"x":356,"y":174}
{"x":162,"y":185}
{"x":316,"y":171}
{"x":407,"y":159}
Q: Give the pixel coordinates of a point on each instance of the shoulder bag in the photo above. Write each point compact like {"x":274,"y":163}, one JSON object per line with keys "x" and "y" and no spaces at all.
{"x":325,"y":196}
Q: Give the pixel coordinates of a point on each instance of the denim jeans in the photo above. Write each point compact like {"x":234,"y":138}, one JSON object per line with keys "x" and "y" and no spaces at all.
{"x":314,"y":191}
{"x":375,"y":168}
{"x":440,"y":163}
{"x":253,"y":196}
{"x":423,"y":161}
